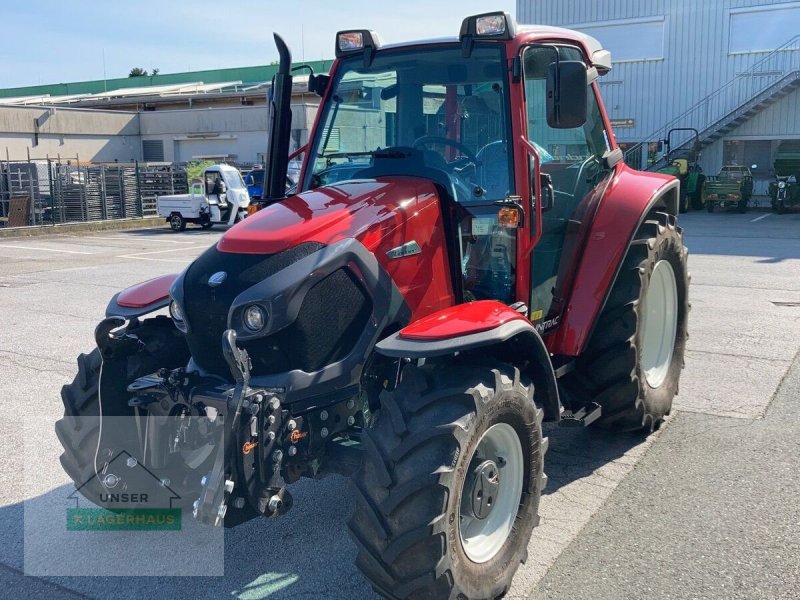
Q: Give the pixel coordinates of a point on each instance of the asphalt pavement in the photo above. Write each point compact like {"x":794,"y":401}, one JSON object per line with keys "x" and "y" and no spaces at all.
{"x":704,"y":508}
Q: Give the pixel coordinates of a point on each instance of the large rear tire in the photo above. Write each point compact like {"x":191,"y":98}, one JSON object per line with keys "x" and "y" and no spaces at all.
{"x":633,"y":361}
{"x":449,"y":489}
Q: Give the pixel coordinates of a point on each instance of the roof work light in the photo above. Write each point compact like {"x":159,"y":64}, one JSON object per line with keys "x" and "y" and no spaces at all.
{"x":496,"y":25}
{"x":356,"y":40}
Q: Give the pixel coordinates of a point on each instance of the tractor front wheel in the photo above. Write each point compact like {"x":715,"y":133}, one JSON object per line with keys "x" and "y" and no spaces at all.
{"x":634,"y":358}
{"x":449,"y":489}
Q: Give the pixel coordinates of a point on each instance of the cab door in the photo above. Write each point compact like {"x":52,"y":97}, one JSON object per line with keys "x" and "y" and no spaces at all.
{"x":573,"y":159}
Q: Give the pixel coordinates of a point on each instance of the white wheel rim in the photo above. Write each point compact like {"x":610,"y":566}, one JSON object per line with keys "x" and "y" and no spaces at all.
{"x":482,"y":539}
{"x":659,"y":323}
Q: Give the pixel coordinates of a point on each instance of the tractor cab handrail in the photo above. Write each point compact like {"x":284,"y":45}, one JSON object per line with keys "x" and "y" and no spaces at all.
{"x":535,"y":189}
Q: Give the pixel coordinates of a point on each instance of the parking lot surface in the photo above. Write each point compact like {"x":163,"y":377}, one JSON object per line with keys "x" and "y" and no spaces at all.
{"x":619,"y":513}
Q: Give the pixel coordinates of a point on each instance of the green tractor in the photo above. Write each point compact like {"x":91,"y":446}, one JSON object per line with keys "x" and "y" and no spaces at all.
{"x":682,"y":164}
{"x":731,"y":188}
{"x":784,"y":192}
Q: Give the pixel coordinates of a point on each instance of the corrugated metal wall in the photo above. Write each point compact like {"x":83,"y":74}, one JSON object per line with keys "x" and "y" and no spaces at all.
{"x":696,"y":62}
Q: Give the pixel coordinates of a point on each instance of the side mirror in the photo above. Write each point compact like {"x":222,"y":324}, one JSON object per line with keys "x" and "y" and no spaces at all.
{"x":318,"y":84}
{"x":567,"y":94}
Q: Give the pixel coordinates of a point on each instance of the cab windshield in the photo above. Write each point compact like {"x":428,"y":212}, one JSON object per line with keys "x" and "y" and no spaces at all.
{"x":427,"y":112}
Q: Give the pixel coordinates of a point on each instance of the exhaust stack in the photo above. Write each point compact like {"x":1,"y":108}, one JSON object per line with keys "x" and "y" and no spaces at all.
{"x":280,"y":123}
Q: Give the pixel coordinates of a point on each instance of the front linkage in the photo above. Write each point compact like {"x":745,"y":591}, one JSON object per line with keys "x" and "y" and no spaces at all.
{"x":262,"y":445}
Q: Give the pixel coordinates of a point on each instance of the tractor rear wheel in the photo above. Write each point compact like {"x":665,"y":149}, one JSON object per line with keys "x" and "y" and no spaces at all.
{"x":448,"y":492}
{"x":710,"y":206}
{"x":634,"y":358}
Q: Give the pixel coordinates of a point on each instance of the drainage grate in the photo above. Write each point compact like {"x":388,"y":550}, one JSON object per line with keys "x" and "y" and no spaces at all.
{"x":795,"y":304}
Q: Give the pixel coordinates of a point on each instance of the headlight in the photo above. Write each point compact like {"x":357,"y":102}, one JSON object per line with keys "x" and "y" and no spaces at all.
{"x":175,"y":312}
{"x":254,"y":317}
{"x":782,"y":184}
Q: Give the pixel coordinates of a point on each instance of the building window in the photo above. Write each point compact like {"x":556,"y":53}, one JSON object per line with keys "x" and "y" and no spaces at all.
{"x":629,"y":40}
{"x":153,"y":150}
{"x":763,"y":28}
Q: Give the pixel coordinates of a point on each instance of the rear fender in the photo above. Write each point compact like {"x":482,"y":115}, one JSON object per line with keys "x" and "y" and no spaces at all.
{"x":497,"y":330}
{"x":141,"y":298}
{"x":629,"y":199}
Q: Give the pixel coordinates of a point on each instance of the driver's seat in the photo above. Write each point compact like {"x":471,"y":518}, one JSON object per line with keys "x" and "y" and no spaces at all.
{"x":493,"y":169}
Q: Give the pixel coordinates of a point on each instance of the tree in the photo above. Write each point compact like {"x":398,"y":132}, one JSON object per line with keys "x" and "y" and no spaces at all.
{"x":155,"y":71}
{"x":138,"y":72}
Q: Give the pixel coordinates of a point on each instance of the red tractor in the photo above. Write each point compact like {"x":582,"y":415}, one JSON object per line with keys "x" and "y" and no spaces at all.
{"x":465,"y":257}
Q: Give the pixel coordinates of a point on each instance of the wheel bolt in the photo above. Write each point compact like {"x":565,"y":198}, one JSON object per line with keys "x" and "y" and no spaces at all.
{"x":292,"y":450}
{"x":324,"y":432}
{"x":291,"y":425}
{"x":238,"y":503}
{"x":323,"y":415}
{"x":131,"y":462}
{"x":351,"y":420}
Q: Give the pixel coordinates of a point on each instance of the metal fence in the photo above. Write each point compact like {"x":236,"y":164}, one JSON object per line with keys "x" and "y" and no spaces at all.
{"x":66,"y":192}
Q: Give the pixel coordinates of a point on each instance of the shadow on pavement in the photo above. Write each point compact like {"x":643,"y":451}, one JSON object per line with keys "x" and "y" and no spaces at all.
{"x":306,"y":553}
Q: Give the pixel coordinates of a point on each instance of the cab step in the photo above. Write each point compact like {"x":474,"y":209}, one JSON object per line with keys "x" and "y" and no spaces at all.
{"x":581,"y":418}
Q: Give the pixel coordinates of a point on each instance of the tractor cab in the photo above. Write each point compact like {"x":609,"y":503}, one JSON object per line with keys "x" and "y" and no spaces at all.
{"x":445,"y":111}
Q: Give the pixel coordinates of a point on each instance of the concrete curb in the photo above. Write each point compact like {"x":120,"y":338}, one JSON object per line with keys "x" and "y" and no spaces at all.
{"x":66,"y":228}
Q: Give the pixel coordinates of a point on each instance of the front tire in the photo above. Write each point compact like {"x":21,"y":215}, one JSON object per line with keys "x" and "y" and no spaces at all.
{"x":177,"y":222}
{"x":79,"y":429}
{"x":741,"y":206}
{"x":422,"y":520}
{"x":633,"y":361}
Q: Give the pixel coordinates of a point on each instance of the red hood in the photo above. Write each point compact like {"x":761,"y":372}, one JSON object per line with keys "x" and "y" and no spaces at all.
{"x":368,"y":210}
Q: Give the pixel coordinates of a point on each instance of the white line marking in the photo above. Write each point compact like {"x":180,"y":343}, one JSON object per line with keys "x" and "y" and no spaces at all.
{"x":43,"y":249}
{"x":181,"y":261}
{"x":133,"y":239}
{"x":138,"y":254}
{"x":761,"y":217}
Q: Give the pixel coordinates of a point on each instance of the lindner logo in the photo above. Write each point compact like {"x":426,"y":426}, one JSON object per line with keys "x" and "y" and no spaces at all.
{"x":217,"y":278}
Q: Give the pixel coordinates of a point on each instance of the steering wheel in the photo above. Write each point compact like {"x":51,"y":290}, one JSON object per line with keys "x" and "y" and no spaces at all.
{"x":435,"y":139}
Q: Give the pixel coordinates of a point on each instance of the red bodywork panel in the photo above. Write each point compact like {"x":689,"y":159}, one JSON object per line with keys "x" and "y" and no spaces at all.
{"x":147,"y":293}
{"x":618,"y":215}
{"x":381,"y":213}
{"x":463,"y":319}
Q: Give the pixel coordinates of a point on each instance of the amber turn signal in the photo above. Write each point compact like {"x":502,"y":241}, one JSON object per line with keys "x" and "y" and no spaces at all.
{"x":509,"y":217}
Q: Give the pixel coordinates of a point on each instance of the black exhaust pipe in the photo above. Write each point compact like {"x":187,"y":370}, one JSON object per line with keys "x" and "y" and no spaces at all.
{"x":280,"y":124}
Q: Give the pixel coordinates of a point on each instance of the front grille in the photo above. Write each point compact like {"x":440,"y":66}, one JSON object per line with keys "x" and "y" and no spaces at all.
{"x":332,"y":316}
{"x":207,"y":307}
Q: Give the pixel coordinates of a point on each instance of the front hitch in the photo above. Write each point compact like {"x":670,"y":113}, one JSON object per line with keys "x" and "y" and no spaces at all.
{"x":218,"y":485}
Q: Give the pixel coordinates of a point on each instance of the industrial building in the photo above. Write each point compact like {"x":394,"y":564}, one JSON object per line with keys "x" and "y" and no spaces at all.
{"x":729,"y":68}
{"x":178,"y":117}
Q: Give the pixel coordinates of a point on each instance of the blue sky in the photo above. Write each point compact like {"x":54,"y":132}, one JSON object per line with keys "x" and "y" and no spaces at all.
{"x":54,"y":42}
